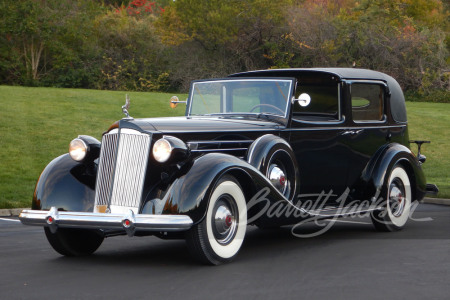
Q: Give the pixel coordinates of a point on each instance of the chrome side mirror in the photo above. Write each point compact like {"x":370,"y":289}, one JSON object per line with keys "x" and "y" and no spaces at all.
{"x":174,"y":101}
{"x":304,"y":100}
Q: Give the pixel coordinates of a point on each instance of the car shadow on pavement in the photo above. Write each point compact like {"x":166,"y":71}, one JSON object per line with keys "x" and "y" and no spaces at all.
{"x":259,"y":244}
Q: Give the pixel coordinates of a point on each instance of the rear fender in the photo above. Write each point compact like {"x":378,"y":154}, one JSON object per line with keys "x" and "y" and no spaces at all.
{"x":380,"y":166}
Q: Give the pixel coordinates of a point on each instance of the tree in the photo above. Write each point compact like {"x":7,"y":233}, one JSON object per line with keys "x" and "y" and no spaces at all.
{"x":226,"y":35}
{"x":398,"y":37}
{"x":42,"y":33}
{"x":388,"y":35}
{"x":133,"y":58}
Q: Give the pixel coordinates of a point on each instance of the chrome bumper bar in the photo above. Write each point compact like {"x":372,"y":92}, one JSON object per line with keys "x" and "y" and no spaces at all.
{"x":129,"y":222}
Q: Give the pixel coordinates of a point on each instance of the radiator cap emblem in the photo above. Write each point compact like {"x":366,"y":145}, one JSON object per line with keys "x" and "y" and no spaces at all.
{"x":126,"y":106}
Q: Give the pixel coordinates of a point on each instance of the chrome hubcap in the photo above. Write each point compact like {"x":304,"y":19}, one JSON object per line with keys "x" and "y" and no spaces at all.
{"x":278,"y":178}
{"x":396,"y":199}
{"x":225,"y":220}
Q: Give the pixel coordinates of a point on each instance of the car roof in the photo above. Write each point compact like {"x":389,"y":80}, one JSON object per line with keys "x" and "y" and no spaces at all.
{"x":397,"y":99}
{"x":343,"y":73}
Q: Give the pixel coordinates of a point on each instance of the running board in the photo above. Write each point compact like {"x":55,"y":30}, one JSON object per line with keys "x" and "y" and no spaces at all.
{"x":346,"y":211}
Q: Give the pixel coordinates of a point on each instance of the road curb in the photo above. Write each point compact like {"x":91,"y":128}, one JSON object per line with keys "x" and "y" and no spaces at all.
{"x":439,"y":201}
{"x":12,"y":212}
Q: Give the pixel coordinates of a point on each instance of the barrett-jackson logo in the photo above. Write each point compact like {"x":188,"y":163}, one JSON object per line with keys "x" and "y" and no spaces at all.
{"x":310,"y":209}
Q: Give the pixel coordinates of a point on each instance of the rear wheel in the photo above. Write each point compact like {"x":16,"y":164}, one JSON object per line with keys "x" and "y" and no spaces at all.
{"x":74,"y":242}
{"x":396,"y":209}
{"x":218,"y":238}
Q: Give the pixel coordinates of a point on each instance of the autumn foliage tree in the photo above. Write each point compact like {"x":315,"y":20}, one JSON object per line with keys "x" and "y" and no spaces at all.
{"x":152,"y":45}
{"x":404,"y":38}
{"x":216,"y":37}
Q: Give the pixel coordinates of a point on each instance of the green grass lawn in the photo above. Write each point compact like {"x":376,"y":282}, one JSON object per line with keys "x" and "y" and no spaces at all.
{"x":37,"y":124}
{"x":431,"y":121}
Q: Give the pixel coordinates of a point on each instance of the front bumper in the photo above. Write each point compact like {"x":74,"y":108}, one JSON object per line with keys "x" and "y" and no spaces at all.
{"x":129,"y":222}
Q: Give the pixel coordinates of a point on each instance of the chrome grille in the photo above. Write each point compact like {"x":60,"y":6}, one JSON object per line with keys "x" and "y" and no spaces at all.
{"x":121,"y":170}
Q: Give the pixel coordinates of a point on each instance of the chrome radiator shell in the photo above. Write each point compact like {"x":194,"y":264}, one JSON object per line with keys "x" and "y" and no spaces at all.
{"x":121,"y":171}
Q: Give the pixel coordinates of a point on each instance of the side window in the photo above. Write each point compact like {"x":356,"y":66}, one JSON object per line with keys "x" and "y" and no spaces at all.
{"x":367,"y":102}
{"x":324,"y":105}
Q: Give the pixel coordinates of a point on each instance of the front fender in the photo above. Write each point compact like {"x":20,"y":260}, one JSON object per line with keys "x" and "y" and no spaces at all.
{"x":378,"y":169}
{"x":66,"y":185}
{"x":189,"y":194}
{"x":268,"y":146}
{"x":259,"y":151}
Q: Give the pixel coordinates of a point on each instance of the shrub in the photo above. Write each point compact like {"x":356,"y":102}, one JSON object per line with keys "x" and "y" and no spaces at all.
{"x":441,"y":96}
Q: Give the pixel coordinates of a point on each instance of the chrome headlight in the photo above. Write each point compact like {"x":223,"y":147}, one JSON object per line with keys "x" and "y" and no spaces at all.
{"x":78,"y":149}
{"x":170,"y":149}
{"x":162,"y":150}
{"x":84,"y":149}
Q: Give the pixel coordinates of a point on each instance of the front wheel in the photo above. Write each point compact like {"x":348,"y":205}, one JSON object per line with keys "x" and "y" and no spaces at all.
{"x":396,"y":209}
{"x":218,"y":238}
{"x":74,"y":242}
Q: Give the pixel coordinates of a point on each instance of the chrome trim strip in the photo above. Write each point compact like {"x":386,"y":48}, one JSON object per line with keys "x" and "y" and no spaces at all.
{"x":342,"y":128}
{"x":262,"y":129}
{"x":221,"y":142}
{"x":224,"y":149}
{"x":105,"y":221}
{"x":213,"y":145}
{"x":341,"y":117}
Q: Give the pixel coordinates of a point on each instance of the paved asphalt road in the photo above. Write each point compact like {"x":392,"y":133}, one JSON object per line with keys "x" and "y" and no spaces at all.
{"x":350,"y":261}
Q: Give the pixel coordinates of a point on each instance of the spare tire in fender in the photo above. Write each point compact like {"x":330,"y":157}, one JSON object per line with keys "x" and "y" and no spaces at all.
{"x":274,"y":158}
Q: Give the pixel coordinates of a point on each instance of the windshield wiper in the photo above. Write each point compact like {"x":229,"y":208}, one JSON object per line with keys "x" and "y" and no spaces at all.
{"x":272,"y":118}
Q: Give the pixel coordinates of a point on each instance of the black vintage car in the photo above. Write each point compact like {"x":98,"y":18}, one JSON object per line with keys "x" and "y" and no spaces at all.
{"x":253,"y":148}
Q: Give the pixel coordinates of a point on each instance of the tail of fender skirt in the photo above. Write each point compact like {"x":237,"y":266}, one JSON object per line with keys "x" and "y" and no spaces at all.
{"x":432,"y":189}
{"x":121,"y":170}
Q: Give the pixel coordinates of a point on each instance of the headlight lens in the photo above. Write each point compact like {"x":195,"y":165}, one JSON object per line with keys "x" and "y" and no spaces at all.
{"x":78,"y":149}
{"x":162,"y":150}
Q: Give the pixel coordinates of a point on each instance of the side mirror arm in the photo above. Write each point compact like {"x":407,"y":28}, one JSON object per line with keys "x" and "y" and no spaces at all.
{"x":304,"y":99}
{"x":174,"y":101}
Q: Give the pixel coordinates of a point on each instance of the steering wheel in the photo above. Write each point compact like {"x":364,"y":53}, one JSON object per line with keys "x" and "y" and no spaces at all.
{"x":269,"y":105}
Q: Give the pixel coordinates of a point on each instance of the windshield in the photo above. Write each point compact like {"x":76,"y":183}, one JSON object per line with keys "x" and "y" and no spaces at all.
{"x":240,"y":96}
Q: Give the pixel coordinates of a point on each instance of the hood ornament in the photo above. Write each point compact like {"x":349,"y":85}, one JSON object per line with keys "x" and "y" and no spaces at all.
{"x":126,"y":106}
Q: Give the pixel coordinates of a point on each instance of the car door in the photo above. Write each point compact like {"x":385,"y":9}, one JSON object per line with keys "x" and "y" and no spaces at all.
{"x":369,"y":128}
{"x":318,"y":140}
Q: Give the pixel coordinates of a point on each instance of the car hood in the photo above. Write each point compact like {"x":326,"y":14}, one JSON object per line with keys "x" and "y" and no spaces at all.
{"x":197,"y":124}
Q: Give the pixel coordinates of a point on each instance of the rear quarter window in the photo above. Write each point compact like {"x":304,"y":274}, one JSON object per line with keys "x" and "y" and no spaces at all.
{"x":367,"y":102}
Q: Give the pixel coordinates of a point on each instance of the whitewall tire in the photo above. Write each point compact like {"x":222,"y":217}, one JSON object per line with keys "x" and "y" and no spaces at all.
{"x":218,"y":238}
{"x":397,"y":207}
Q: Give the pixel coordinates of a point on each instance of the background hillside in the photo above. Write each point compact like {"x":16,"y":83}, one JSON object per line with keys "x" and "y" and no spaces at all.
{"x":162,"y":45}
